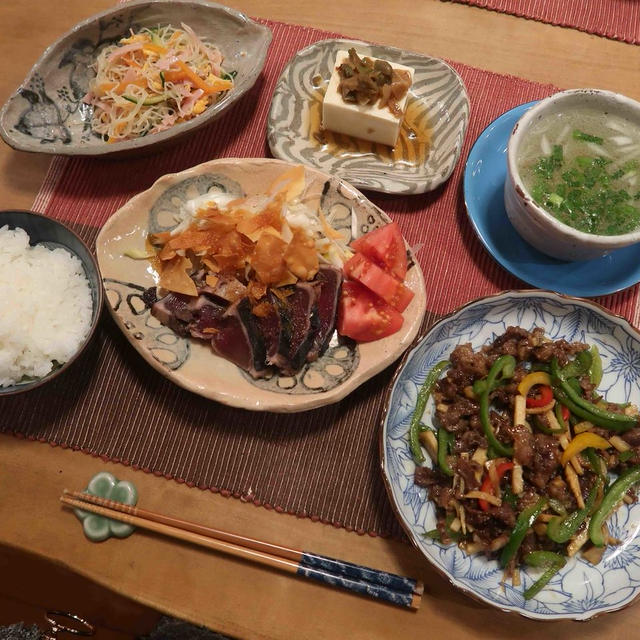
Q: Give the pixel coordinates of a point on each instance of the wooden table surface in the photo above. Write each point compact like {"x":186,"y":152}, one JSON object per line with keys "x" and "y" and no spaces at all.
{"x":222,"y":593}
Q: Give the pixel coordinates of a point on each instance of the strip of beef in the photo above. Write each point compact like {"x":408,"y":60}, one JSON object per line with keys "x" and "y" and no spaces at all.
{"x":546,"y":460}
{"x":467,"y":469}
{"x":437,"y":485}
{"x":329,"y":280}
{"x":523,"y":444}
{"x":456,"y":418}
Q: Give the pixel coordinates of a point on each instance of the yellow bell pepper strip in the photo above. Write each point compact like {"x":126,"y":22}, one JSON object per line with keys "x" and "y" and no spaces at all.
{"x":560,"y":529}
{"x":421,"y":403}
{"x":550,"y":561}
{"x":581,"y":442}
{"x":572,"y":399}
{"x":503,"y":367}
{"x":524,"y":522}
{"x":614,"y":494}
{"x":531,"y":380}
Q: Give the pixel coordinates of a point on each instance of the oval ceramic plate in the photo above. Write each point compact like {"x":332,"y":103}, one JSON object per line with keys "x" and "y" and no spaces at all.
{"x":54,"y":235}
{"x":46,"y":113}
{"x":437,"y":99}
{"x":191,"y":364}
{"x":484,"y":176}
{"x":580,"y":590}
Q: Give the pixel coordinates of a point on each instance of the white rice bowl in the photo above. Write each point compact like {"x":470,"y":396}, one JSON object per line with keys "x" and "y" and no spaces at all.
{"x":46,"y":307}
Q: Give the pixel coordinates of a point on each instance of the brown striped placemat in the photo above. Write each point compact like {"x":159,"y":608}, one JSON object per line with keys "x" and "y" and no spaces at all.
{"x":615,"y":19}
{"x":321,"y":464}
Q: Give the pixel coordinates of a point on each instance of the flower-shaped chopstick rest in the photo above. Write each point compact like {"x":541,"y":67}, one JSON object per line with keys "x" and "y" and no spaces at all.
{"x":106,"y":485}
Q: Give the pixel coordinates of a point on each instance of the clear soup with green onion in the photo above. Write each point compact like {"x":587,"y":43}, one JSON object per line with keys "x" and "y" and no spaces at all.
{"x":583,"y":166}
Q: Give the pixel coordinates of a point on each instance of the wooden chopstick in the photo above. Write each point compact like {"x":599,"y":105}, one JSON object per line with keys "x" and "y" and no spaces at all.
{"x":378,"y":584}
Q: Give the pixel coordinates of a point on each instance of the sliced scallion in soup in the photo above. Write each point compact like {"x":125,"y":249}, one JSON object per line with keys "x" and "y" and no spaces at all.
{"x":583,"y":166}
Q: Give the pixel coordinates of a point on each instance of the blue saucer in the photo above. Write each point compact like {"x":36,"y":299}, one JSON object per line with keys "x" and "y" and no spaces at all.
{"x":484,"y":176}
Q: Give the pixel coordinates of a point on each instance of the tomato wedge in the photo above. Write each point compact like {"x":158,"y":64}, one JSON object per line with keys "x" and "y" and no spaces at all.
{"x":363,"y":316}
{"x":360,"y":268}
{"x":385,"y":247}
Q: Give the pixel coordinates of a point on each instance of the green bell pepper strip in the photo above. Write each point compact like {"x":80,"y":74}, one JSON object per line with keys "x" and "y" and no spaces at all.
{"x":557,"y":506}
{"x":595,"y":370}
{"x":502,"y":368}
{"x":585,"y":414}
{"x":596,"y":417}
{"x":594,"y":461}
{"x":600,"y":417}
{"x":561,"y":529}
{"x":552,"y":562}
{"x":614,"y":494}
{"x":445,"y":440}
{"x":559,"y":417}
{"x":421,"y":404}
{"x":624,"y":456}
{"x":524,"y":522}
{"x":579,"y":366}
{"x":543,"y":427}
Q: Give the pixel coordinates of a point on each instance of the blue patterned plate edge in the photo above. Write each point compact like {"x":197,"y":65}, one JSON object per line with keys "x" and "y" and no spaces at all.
{"x":594,"y":586}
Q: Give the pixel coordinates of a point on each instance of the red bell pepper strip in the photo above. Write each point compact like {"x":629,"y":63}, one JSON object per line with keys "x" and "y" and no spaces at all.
{"x":544,"y":396}
{"x":487,"y":487}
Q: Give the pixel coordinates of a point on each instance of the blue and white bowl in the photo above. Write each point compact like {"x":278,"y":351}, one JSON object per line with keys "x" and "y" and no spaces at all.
{"x":580,"y":590}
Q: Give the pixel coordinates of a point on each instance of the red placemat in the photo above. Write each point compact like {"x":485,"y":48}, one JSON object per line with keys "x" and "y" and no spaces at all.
{"x":615,"y":19}
{"x":322,"y":464}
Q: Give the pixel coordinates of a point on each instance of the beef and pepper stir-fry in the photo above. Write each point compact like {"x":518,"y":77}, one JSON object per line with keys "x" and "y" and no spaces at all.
{"x":522,"y":447}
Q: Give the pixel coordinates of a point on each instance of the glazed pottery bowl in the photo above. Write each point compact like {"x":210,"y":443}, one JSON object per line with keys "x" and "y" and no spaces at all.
{"x":191,"y":363}
{"x":580,"y":590}
{"x":534,"y":223}
{"x":46,"y":113}
{"x":54,"y":235}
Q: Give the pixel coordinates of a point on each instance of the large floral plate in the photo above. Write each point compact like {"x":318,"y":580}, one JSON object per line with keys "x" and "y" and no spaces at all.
{"x":438,"y":107}
{"x":191,"y":364}
{"x":580,"y":590}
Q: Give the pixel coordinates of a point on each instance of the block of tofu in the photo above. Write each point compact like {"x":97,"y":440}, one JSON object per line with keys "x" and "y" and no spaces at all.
{"x":368,"y":122}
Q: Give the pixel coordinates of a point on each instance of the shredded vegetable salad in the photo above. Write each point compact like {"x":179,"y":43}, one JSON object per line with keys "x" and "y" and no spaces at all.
{"x":153,"y":79}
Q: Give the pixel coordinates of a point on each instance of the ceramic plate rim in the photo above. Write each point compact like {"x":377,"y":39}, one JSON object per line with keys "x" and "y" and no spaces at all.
{"x":594,"y":307}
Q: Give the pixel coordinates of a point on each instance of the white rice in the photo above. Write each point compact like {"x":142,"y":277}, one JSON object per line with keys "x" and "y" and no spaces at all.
{"x":45,"y":307}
